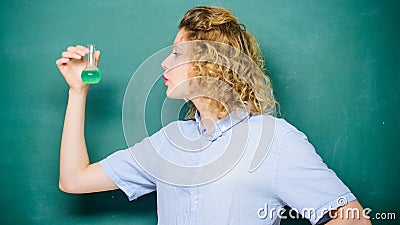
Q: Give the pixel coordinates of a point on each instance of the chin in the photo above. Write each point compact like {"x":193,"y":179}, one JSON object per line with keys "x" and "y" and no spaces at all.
{"x":173,"y":96}
{"x":175,"y":93}
{"x":169,"y":95}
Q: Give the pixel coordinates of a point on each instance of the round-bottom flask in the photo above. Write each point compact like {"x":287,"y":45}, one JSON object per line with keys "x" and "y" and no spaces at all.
{"x":91,"y":74}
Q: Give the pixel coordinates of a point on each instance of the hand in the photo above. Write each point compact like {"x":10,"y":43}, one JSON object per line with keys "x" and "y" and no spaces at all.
{"x":71,"y":65}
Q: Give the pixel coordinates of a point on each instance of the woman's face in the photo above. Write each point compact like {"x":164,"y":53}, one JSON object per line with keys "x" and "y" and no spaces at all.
{"x":176,"y":69}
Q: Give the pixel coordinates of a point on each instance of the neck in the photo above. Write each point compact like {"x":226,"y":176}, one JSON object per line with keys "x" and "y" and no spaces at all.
{"x":208,"y":119}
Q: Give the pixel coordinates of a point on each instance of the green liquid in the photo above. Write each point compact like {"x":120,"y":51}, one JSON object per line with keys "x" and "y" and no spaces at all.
{"x":91,"y":76}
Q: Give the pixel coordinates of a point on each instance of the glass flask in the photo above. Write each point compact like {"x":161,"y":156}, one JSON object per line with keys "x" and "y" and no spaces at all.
{"x":91,"y":74}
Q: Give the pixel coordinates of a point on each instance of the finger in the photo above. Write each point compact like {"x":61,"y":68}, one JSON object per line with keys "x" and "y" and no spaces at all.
{"x":97,"y":56}
{"x":82,"y":49}
{"x":76,"y":50}
{"x":71,"y":55}
{"x":71,"y":49}
{"x":61,"y":61}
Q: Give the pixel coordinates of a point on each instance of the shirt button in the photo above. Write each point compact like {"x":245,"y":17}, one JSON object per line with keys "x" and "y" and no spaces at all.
{"x":195,"y":198}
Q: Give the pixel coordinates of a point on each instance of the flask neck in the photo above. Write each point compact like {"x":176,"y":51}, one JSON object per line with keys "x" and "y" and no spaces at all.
{"x":91,"y":61}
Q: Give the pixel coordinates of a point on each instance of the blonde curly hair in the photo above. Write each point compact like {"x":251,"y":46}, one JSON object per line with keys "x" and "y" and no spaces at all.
{"x":251,"y":85}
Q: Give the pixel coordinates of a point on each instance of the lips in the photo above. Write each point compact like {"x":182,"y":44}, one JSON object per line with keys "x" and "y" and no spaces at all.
{"x":165,"y":79}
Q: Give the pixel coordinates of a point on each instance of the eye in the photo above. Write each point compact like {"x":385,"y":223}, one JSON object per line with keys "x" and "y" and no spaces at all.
{"x":175,"y":53}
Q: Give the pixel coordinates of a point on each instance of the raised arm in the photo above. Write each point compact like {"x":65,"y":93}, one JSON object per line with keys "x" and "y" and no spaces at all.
{"x":77,"y":175}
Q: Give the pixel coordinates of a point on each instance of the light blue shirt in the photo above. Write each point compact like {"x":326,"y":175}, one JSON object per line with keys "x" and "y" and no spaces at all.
{"x":254,"y":185}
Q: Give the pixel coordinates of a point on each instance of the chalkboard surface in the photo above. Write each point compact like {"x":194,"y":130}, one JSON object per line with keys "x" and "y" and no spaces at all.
{"x":334,"y":66}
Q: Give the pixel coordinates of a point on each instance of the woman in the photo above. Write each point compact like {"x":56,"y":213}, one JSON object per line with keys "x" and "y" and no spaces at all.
{"x":226,"y":97}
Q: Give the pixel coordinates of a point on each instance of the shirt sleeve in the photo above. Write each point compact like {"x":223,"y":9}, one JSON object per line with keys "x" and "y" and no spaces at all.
{"x":305,"y":183}
{"x":127,"y":173}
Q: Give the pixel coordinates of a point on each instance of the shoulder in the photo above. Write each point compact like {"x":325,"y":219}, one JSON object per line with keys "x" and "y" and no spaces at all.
{"x":286,"y":141}
{"x":182,"y":126}
{"x":187,"y":128}
{"x":280,"y":126}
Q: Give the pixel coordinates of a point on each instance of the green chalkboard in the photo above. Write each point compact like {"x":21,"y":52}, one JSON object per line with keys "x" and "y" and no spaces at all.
{"x":334,"y":66}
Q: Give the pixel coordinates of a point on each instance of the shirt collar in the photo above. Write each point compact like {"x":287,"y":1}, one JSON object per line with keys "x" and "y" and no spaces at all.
{"x":224,"y":124}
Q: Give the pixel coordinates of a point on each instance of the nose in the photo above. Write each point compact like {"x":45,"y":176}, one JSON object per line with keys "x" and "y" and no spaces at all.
{"x":164,"y":63}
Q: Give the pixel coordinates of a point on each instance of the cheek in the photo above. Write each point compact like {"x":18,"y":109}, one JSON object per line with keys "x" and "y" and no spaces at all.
{"x":180,"y":73}
{"x":185,"y":71}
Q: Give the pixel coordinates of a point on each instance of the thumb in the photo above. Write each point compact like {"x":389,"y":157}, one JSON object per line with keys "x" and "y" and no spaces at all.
{"x":97,"y":56}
